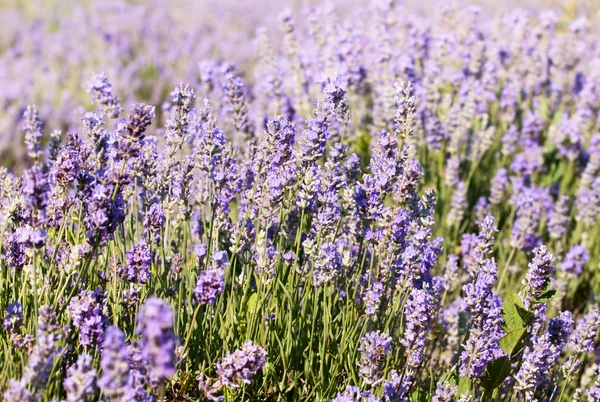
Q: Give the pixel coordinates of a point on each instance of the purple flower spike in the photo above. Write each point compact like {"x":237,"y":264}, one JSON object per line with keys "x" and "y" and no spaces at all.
{"x":80,"y":380}
{"x":138,"y":259}
{"x":577,"y":257}
{"x":155,"y":325}
{"x":114,"y":363}
{"x":374,"y":349}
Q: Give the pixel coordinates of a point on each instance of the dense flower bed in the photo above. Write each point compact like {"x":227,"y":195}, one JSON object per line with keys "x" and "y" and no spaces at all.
{"x":381,"y":207}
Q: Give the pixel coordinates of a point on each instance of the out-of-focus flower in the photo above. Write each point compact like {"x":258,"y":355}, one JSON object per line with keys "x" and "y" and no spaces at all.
{"x":155,"y":326}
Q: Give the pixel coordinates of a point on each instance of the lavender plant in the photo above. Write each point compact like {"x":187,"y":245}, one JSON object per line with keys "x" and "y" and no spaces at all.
{"x":378,"y":206}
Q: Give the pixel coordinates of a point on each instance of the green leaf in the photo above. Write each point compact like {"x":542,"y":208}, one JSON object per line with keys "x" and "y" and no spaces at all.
{"x":417,"y":395}
{"x":464,"y":384}
{"x":557,"y":116}
{"x":511,"y":340}
{"x":543,"y":110}
{"x":546,"y":296}
{"x":524,"y":314}
{"x":494,"y":375}
{"x":510,"y":312}
{"x":252,"y":304}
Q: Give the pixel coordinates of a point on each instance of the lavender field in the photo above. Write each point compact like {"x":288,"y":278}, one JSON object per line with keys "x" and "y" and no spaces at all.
{"x":349,"y":202}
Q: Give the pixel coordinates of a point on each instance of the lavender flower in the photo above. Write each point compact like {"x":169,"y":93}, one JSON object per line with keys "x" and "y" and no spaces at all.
{"x":451,"y":274}
{"x":458,"y":205}
{"x":541,"y":356}
{"x":131,"y":296}
{"x":498,"y":187}
{"x":95,"y":133}
{"x":418,"y":314}
{"x":46,"y":350}
{"x":17,"y":392}
{"x":102,"y":93}
{"x":234,"y":89}
{"x":540,"y":270}
{"x":200,"y":252}
{"x":36,"y":188}
{"x":406,"y":191}
{"x":452,"y":173}
{"x":523,"y":233}
{"x":14,"y":317}
{"x":372,"y":298}
{"x":15,"y":252}
{"x":577,"y":257}
{"x":584,"y":337}
{"x":80,"y":380}
{"x":113,"y":381}
{"x":132,"y":130}
{"x":327,"y":264}
{"x":33,"y":133}
{"x":89,"y":314}
{"x":374,"y":349}
{"x":153,"y":222}
{"x":210,"y":285}
{"x":396,"y":388}
{"x":177,"y":125}
{"x":588,"y":203}
{"x":67,"y":166}
{"x":593,"y":392}
{"x":353,"y":394}
{"x":559,"y":220}
{"x":238,"y":367}
{"x":482,"y":346}
{"x":405,"y":110}
{"x":139,"y":259}
{"x":104,"y":206}
{"x":444,"y":392}
{"x":155,"y":325}
{"x":211,"y":282}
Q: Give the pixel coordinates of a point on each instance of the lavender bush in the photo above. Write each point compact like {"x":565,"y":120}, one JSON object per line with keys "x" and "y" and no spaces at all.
{"x":367,"y":205}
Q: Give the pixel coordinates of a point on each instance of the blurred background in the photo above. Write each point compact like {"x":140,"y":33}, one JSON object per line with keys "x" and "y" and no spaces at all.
{"x":50,"y":48}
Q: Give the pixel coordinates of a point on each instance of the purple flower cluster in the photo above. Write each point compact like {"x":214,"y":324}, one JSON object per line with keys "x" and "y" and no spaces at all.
{"x":102,"y":94}
{"x":418,"y":313}
{"x":113,"y":381}
{"x":153,"y":222}
{"x":80,"y":381}
{"x":482,"y":346}
{"x":577,"y":257}
{"x":374,"y":349}
{"x":541,"y":356}
{"x":523,"y":232}
{"x":211,"y":282}
{"x":89,"y":314}
{"x":285,"y":200}
{"x":132,"y":130}
{"x":177,"y":125}
{"x":539,"y":274}
{"x":155,"y":326}
{"x":584,"y":336}
{"x":13,"y":320}
{"x":17,"y":392}
{"x":124,"y":373}
{"x":238,"y":367}
{"x":33,"y":132}
{"x":104,"y":206}
{"x":372,"y":298}
{"x":137,"y":269}
{"x":45,"y":351}
{"x":353,"y":394}
{"x":327,"y":264}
